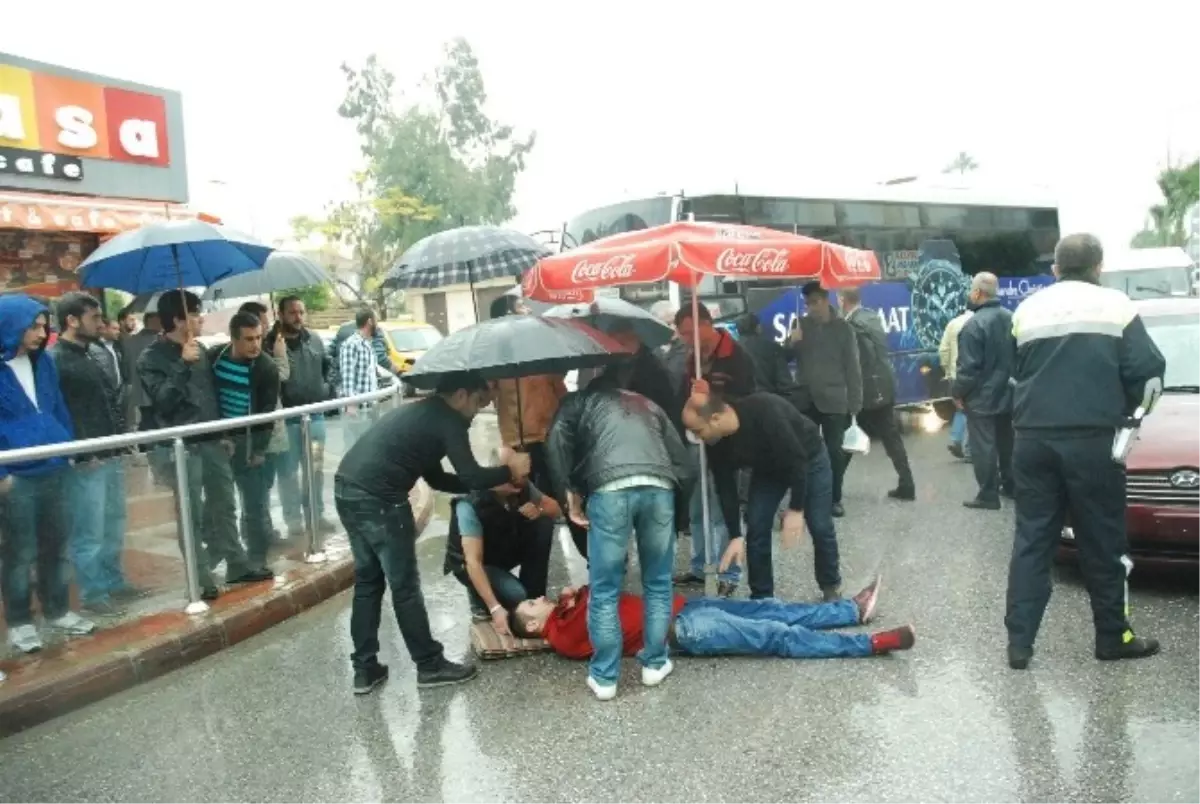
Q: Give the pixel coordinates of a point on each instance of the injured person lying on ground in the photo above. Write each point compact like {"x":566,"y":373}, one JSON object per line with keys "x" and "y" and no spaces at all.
{"x":718,"y":627}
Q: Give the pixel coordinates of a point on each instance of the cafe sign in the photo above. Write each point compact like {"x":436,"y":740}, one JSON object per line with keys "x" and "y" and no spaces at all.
{"x":43,"y":115}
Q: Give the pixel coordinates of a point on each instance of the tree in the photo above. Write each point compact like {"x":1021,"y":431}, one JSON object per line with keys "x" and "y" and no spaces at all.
{"x":962,"y":163}
{"x":1166,"y":224}
{"x":447,"y":153}
{"x":364,"y":226}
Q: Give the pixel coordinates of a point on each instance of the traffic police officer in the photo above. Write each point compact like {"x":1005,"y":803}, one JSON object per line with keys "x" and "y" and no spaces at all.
{"x":1083,"y":361}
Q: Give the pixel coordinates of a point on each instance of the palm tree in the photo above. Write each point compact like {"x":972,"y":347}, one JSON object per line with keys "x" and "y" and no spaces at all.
{"x":962,"y":163}
{"x":1180,"y":188}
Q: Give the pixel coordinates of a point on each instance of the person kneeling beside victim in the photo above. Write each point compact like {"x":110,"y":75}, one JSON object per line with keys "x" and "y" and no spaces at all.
{"x":494,"y":531}
{"x":719,"y":627}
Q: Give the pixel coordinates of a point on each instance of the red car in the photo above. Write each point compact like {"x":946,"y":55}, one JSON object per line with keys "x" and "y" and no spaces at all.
{"x":1162,"y":484}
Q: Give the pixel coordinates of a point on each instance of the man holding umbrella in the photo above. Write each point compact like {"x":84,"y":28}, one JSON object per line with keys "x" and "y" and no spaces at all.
{"x":371,"y":490}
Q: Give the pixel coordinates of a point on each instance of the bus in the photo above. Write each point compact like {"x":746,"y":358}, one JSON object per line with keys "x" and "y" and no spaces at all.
{"x":929,"y":241}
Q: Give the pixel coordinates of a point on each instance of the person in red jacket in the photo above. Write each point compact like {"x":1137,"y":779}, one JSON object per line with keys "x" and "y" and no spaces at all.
{"x":719,"y":627}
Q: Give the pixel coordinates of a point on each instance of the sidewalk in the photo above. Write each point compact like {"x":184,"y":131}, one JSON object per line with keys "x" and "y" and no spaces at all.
{"x":155,"y":636}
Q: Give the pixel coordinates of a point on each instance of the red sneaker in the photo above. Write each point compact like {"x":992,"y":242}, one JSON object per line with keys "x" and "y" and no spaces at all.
{"x":867,"y":599}
{"x":901,"y":638}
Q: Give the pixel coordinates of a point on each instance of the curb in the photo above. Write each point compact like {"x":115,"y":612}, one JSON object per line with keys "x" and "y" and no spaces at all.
{"x":132,"y":661}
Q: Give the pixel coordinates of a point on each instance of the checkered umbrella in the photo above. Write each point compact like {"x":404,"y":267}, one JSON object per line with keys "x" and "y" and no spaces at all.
{"x":465,"y":255}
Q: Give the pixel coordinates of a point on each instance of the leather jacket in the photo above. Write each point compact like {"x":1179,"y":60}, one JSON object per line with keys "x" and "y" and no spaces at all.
{"x":603,"y":435}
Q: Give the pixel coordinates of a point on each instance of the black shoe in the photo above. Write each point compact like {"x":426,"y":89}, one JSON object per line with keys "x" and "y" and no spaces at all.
{"x":687,"y":579}
{"x":1008,"y":492}
{"x":838,"y":510}
{"x":1018,"y":657}
{"x":726,"y":588}
{"x":210,"y":593}
{"x":446,"y":673}
{"x":369,"y":678}
{"x":252,"y":576}
{"x":982,"y":505}
{"x":956,"y":450}
{"x":903,"y":493}
{"x":1136,"y":648}
{"x":831,"y":593}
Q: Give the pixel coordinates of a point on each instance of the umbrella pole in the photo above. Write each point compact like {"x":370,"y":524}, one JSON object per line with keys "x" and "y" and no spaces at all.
{"x":471,"y":284}
{"x":710,"y":543}
{"x":179,"y":276}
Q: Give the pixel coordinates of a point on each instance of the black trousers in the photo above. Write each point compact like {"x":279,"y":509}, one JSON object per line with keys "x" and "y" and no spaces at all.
{"x":991,"y":453}
{"x":383,"y":540}
{"x":1057,"y":476}
{"x":833,"y":430}
{"x":539,"y":475}
{"x":880,"y":425}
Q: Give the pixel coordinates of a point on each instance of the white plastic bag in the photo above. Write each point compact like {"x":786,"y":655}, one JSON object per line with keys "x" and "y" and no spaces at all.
{"x":855,"y":440}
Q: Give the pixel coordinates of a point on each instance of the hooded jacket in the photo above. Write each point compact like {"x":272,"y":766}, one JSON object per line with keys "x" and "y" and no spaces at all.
{"x":22,"y":424}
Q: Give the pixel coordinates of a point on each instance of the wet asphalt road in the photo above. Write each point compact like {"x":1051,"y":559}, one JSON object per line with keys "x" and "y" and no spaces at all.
{"x":272,"y":719}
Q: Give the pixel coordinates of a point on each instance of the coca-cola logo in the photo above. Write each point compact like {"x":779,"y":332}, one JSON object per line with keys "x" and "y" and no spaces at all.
{"x":857,"y":262}
{"x":763,"y":261}
{"x":614,"y":269}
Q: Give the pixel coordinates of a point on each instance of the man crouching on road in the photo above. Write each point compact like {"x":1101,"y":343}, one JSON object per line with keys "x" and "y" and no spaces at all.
{"x":491,"y":533}
{"x":721,"y":627}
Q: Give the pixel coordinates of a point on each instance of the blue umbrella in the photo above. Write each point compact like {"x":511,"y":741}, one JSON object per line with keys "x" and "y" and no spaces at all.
{"x":172,"y":254}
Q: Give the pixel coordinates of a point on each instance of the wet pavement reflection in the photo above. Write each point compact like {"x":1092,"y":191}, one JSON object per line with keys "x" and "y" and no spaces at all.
{"x":273,"y":718}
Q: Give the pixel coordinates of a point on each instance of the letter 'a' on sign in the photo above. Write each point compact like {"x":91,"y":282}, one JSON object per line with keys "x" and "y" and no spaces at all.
{"x":137,"y":127}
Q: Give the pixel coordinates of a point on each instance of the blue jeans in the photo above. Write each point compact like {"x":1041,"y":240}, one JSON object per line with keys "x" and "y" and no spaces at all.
{"x":293,"y":494}
{"x":696,"y":517}
{"x":717,"y":627}
{"x":958,"y":431}
{"x":35,"y":533}
{"x":650,"y":513}
{"x":96,"y":502}
{"x":766,"y":493}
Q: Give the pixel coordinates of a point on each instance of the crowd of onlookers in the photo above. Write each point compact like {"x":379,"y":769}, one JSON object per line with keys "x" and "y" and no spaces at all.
{"x":83,"y":376}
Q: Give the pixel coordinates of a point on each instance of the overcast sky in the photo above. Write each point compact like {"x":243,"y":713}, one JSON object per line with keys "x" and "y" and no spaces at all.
{"x":640,"y":97}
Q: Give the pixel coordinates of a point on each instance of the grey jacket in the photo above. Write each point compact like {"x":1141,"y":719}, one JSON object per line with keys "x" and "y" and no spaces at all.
{"x":829,"y":374}
{"x":310,"y":374}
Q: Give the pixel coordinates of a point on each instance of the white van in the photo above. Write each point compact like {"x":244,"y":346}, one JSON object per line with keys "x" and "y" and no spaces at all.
{"x":1150,"y":273}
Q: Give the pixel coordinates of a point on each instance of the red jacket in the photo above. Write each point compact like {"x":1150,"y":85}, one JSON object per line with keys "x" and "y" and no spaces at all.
{"x":567,"y":633}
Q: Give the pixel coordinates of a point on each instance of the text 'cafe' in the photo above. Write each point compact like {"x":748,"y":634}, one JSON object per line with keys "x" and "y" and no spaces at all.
{"x":82,"y":157}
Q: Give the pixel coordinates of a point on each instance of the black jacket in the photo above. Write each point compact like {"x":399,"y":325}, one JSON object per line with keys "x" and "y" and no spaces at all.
{"x":986,"y":359}
{"x":644,"y":374}
{"x":599,"y":436}
{"x":829,"y":373}
{"x":264,"y":395}
{"x":878,"y":378}
{"x":1083,"y":360}
{"x":91,"y":393}
{"x":730,"y":372}
{"x":175,"y":392}
{"x":311,"y":370}
{"x":771,"y":370}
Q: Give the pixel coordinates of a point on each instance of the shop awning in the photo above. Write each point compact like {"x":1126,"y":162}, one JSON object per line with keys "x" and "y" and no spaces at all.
{"x":78,"y":213}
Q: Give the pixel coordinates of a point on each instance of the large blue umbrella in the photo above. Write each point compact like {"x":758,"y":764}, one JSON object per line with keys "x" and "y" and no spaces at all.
{"x":172,"y":254}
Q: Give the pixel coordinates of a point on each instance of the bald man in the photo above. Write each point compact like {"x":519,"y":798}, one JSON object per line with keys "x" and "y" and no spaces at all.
{"x":983,"y":388}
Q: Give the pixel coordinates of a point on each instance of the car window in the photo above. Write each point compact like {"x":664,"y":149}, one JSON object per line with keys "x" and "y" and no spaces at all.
{"x":1178,"y":338}
{"x":414,"y":339}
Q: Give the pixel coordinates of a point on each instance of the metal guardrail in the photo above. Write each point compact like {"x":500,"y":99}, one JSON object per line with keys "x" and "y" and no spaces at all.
{"x":178,"y":436}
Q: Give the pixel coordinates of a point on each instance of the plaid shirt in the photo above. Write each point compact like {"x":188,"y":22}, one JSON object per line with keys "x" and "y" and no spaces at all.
{"x":356,"y":366}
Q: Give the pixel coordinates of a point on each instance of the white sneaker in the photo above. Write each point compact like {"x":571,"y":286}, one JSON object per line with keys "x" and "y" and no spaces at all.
{"x":652,"y":677}
{"x":25,"y":638}
{"x":2,"y":675}
{"x":604,"y":692}
{"x":71,"y":623}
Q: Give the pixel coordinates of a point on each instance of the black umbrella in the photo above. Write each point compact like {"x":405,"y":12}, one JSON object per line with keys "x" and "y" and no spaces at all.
{"x":515,"y":346}
{"x":468,"y":254}
{"x":609,"y":314}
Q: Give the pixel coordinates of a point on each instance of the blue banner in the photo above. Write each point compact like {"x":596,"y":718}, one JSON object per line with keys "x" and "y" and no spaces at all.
{"x":914,"y":314}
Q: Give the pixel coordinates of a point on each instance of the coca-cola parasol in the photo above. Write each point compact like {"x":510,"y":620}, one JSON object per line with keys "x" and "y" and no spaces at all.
{"x":685,"y":251}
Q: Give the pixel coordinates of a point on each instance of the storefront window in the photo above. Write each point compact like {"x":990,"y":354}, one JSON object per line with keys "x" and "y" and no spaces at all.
{"x":42,"y":263}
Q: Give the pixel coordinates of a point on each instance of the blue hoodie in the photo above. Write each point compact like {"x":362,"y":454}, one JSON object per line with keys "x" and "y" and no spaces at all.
{"x":22,"y":424}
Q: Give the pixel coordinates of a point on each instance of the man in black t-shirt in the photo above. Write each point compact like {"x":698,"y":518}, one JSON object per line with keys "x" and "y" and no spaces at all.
{"x":371,"y":490}
{"x":785,"y":454}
